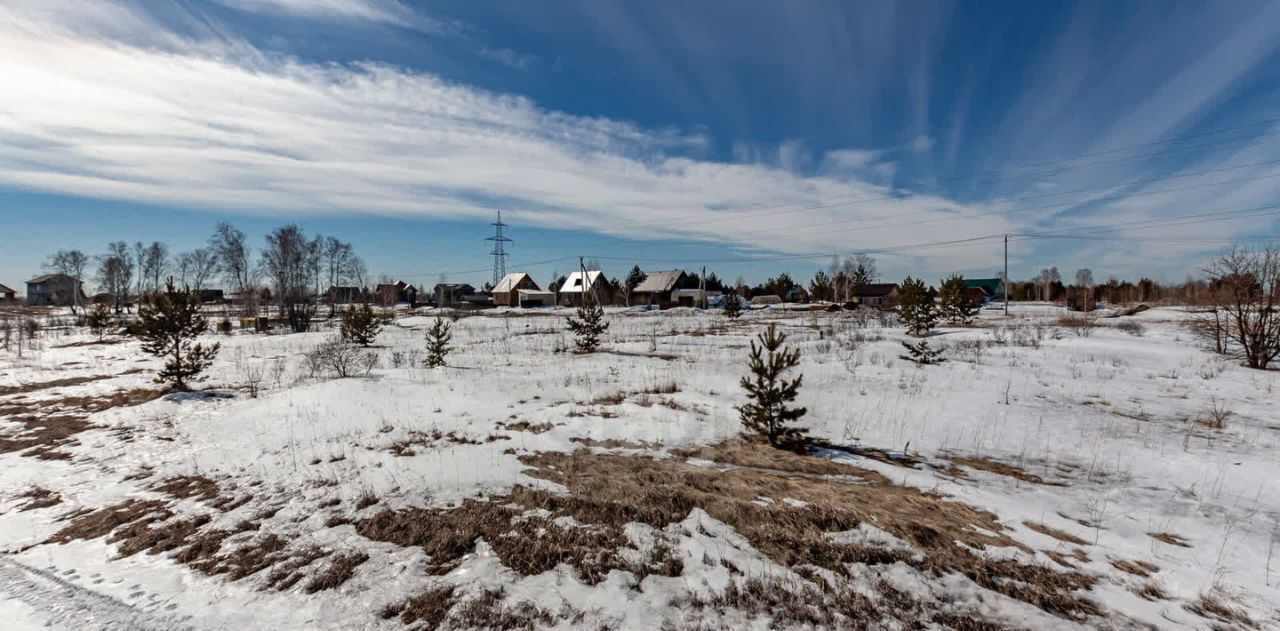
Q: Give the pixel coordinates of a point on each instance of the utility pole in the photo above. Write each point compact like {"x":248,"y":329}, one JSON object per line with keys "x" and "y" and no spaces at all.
{"x":702,"y":288}
{"x":1005,"y":281}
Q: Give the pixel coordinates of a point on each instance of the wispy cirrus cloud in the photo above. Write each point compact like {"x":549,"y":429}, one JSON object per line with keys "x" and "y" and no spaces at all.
{"x":222,"y":127}
{"x":392,"y":12}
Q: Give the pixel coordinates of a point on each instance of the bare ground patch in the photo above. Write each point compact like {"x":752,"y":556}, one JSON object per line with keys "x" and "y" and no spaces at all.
{"x":49,"y":424}
{"x":606,"y":491}
{"x":39,"y":497}
{"x":1001,"y":468}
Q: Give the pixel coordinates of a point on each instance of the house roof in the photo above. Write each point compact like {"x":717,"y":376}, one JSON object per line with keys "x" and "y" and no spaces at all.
{"x":5,"y":289}
{"x":44,"y":278}
{"x":874,"y":289}
{"x":511,"y":281}
{"x":989,"y":285}
{"x":658,"y":282}
{"x":573,"y":284}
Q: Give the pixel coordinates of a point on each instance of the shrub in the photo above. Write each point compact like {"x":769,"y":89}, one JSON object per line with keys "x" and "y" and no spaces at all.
{"x":1082,"y":326}
{"x":732,"y":305}
{"x":921,"y":353}
{"x":1132,"y":328}
{"x":99,"y":320}
{"x":340,"y":358}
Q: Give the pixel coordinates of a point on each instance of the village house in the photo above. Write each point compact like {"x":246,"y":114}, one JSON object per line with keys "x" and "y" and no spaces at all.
{"x":697,"y":297}
{"x":453,"y":294}
{"x":796,"y":294}
{"x":534,"y":298}
{"x":571,"y":292}
{"x":658,"y":287}
{"x":55,"y":290}
{"x":344,"y":295}
{"x":7,"y":295}
{"x":992,"y":288}
{"x":395,"y":293}
{"x":507,"y":292}
{"x":875,"y":294}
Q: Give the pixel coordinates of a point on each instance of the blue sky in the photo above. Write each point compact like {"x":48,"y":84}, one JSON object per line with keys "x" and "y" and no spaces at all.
{"x":743,"y":136}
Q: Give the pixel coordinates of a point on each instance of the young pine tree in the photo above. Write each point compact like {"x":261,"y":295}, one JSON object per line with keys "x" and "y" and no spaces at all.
{"x":732,"y":305}
{"x":921,"y":353}
{"x":916,"y":307}
{"x":438,"y":337}
{"x":767,"y":412}
{"x":99,"y":320}
{"x":169,"y":322}
{"x":359,"y":326}
{"x":589,"y":325}
{"x":953,"y":304}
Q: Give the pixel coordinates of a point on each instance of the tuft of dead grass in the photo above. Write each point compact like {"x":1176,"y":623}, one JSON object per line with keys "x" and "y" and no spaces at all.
{"x":1151,"y":591}
{"x":341,"y":568}
{"x":1001,"y":468}
{"x":1060,"y":535}
{"x":1141,"y":569}
{"x":1169,"y":538}
{"x":1209,"y":605}
{"x":39,"y":497}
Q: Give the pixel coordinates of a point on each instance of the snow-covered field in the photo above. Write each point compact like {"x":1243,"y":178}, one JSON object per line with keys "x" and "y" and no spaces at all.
{"x":324,"y":502}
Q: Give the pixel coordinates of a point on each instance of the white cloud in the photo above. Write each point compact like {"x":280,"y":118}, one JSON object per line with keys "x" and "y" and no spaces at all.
{"x":508,"y":58}
{"x":224,"y":127}
{"x":388,"y":11}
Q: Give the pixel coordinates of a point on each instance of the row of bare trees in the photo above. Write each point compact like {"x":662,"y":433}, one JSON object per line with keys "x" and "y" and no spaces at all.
{"x":296,"y":268}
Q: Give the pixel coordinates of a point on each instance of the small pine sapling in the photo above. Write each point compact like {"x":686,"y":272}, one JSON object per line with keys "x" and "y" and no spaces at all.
{"x":916,"y":306}
{"x":359,"y":326}
{"x":588,"y":327}
{"x":99,"y":320}
{"x":438,"y":337}
{"x":169,"y":322}
{"x":767,"y":412}
{"x":954,"y":304}
{"x":732,"y":305}
{"x":921,"y":353}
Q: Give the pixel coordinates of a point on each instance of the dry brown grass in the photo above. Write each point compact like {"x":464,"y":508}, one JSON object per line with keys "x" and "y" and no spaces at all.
{"x":613,"y":443}
{"x":188,"y":486}
{"x":1169,"y":538}
{"x":55,"y":383}
{"x":1060,"y":535}
{"x":39,"y":497}
{"x":1151,"y":591}
{"x":341,"y":568}
{"x":1208,"y":605}
{"x":607,"y":491}
{"x":1000,"y":468}
{"x":439,"y":606}
{"x":48,"y":424}
{"x":1140,"y":569}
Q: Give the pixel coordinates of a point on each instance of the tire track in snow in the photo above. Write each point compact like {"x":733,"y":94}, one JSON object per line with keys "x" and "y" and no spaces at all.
{"x":70,"y":606}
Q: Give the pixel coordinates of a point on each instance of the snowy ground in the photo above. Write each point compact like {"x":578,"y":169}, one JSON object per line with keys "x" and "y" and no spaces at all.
{"x":1098,"y":442}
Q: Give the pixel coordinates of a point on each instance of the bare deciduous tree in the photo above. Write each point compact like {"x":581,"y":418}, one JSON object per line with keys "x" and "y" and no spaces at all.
{"x":228,"y":246}
{"x":115,"y":274}
{"x":290,"y":262}
{"x":71,"y":263}
{"x":197,"y":266}
{"x":1244,"y":285}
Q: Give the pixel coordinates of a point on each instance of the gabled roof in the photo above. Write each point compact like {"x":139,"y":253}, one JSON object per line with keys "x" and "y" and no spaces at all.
{"x":874,"y":289}
{"x":573,"y":284}
{"x":5,"y":289}
{"x":989,"y":285}
{"x":511,"y":281}
{"x":658,"y":282}
{"x":44,"y":278}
